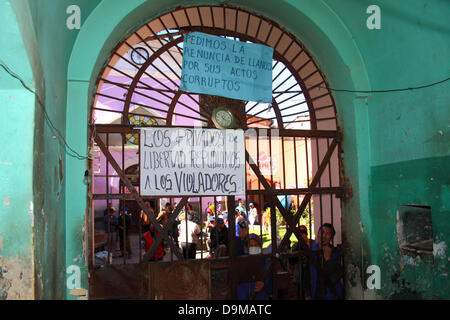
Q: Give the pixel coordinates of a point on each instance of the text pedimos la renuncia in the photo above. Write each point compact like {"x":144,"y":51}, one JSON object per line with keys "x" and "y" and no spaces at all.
{"x":214,"y":50}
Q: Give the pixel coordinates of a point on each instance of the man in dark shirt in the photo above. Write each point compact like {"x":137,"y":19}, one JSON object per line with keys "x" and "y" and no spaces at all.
{"x":300,"y":267}
{"x":330,"y":260}
{"x":251,"y":245}
{"x":241,"y":241}
{"x":109,"y":206}
{"x":124,"y":223}
{"x":111,"y":223}
{"x":219,"y":239}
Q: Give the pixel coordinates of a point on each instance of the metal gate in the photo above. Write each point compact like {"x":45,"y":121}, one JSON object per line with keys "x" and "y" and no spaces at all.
{"x":292,"y":158}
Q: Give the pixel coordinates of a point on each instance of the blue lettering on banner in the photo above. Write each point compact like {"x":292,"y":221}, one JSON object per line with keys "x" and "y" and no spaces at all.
{"x":222,"y":67}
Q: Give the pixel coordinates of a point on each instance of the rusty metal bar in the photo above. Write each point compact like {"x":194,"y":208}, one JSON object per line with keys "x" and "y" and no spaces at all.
{"x":295,"y":105}
{"x":232,"y":240}
{"x":215,"y":224}
{"x":138,"y":213}
{"x":126,"y":87}
{"x":320,"y":196}
{"x":119,"y":196}
{"x":129,"y":128}
{"x":324,"y":190}
{"x":107,"y":192}
{"x":90,"y":202}
{"x":125,"y":242}
{"x":331,"y":196}
{"x":186,"y":251}
{"x":261,"y":217}
{"x":201,"y":223}
{"x":296,"y":170}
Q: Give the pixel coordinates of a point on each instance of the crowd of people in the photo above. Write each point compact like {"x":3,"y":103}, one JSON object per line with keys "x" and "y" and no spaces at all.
{"x":190,"y":233}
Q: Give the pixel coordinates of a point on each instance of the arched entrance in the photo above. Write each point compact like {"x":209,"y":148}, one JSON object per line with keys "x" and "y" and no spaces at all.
{"x":293,"y":141}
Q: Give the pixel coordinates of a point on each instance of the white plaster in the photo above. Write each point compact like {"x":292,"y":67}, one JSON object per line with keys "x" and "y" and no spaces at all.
{"x":18,"y":279}
{"x":439,"y":249}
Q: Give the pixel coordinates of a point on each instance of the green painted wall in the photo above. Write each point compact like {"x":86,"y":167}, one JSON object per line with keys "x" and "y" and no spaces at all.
{"x":43,"y":23}
{"x":396,"y":145}
{"x":55,"y":44}
{"x":421,"y":181}
{"x":16,"y":164}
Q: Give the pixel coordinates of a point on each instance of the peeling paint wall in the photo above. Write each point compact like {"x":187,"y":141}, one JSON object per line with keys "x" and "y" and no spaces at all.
{"x":42,"y":24}
{"x":403,"y":183}
{"x":16,"y":163}
{"x":16,"y":279}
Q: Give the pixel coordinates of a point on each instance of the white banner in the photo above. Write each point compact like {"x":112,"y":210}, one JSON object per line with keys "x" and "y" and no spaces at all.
{"x":192,"y":162}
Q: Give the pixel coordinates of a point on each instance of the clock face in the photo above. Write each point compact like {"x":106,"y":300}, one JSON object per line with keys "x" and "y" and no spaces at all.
{"x":139,"y":55}
{"x":224,"y":118}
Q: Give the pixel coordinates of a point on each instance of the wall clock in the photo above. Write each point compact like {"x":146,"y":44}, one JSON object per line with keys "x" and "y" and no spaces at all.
{"x":223,"y":118}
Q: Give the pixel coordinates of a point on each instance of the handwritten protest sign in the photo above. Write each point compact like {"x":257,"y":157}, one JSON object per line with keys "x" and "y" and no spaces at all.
{"x":191,"y":161}
{"x":227,"y":68}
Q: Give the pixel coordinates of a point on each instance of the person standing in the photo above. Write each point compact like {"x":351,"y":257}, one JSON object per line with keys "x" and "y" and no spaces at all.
{"x":150,"y":237}
{"x":252,"y":214}
{"x":219,"y":239}
{"x":299,"y":267}
{"x":145,"y":221}
{"x":111,"y":223}
{"x":106,"y":211}
{"x":241,"y":241}
{"x":241,"y":208}
{"x":163,"y":216}
{"x":261,"y":290}
{"x":330,"y":261}
{"x":124,"y":223}
{"x":238,"y":218}
{"x":188,"y":233}
{"x":208,"y":209}
{"x":266,"y":220}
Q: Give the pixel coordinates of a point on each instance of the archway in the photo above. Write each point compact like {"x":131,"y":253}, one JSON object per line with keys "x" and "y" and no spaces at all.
{"x":280,"y":40}
{"x":296,"y":136}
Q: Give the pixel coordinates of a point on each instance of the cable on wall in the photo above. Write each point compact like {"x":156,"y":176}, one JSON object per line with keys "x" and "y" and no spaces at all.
{"x":74,"y":154}
{"x":389,"y":90}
